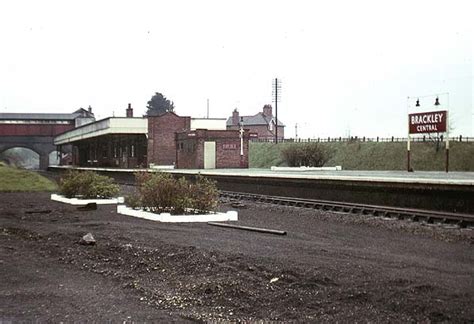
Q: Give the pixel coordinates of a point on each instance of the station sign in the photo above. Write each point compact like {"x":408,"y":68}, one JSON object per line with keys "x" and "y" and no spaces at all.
{"x":428,"y":122}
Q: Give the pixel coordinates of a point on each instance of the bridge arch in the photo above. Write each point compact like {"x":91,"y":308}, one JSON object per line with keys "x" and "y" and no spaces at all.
{"x":21,"y":156}
{"x":42,"y":146}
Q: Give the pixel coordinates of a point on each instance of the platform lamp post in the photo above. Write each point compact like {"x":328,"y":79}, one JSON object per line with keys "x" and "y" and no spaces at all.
{"x":437,"y":104}
{"x":447,"y":129}
{"x":409,"y":169}
{"x":241,"y":131}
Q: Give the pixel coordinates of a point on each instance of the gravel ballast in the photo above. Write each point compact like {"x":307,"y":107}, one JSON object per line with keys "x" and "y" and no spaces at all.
{"x":329,"y":267}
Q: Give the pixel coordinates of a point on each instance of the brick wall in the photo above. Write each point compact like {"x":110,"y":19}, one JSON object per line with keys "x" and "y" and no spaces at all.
{"x":190,"y":151}
{"x":161,"y":137}
{"x":34,"y":129}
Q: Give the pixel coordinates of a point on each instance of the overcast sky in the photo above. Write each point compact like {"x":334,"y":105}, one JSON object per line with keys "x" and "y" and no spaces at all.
{"x":347,"y":67}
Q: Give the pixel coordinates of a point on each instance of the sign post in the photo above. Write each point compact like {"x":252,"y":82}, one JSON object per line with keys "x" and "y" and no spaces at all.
{"x":428,"y":122}
{"x":409,"y":169}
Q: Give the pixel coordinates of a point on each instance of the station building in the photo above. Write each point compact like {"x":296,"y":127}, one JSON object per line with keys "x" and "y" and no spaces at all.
{"x":212,"y":149}
{"x":164,"y":140}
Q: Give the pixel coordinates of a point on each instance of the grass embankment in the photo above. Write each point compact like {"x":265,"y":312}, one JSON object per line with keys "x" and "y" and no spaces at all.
{"x":376,"y":156}
{"x":14,"y":179}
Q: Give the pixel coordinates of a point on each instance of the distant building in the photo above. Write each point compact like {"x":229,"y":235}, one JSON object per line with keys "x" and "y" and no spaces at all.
{"x":43,"y":124}
{"x":263,"y":123}
{"x":35,"y":131}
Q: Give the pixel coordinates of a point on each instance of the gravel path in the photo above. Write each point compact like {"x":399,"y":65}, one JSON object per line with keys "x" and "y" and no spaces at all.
{"x":330,"y":267}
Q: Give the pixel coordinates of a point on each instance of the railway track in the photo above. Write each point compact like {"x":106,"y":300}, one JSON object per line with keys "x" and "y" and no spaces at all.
{"x":417,"y":215}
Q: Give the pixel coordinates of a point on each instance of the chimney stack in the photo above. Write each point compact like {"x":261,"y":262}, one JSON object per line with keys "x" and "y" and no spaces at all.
{"x":90,"y":109}
{"x":235,"y":117}
{"x":129,"y":111}
{"x":267,"y":111}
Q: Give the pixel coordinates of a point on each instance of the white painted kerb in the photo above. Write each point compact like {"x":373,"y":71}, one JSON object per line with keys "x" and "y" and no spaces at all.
{"x":168,"y":218}
{"x":76,"y":201}
{"x":305,"y":168}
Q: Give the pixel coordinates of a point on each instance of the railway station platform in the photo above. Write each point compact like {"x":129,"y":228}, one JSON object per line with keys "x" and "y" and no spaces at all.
{"x":438,"y":191}
{"x":427,"y":177}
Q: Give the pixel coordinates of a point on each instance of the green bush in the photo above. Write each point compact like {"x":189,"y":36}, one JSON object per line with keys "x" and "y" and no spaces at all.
{"x":204,"y":194}
{"x":161,"y":192}
{"x":87,"y":185}
{"x":307,"y":154}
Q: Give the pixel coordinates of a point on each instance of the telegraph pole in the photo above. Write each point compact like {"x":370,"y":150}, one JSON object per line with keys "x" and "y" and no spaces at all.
{"x":276,"y":99}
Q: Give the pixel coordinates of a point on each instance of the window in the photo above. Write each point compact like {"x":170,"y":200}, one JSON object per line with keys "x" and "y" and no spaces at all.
{"x":132,"y":150}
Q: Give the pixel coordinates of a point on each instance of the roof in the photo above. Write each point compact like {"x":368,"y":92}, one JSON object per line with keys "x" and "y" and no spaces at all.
{"x":40,"y":116}
{"x":258,"y":119}
{"x":110,"y":125}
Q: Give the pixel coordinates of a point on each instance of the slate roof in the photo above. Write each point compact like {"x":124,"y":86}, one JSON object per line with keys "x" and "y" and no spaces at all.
{"x":43,"y":116}
{"x":258,"y":119}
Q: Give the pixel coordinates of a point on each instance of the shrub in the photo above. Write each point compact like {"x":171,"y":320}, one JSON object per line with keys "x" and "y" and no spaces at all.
{"x":161,"y":192}
{"x":87,"y":185}
{"x":305,"y":154}
{"x":204,"y":194}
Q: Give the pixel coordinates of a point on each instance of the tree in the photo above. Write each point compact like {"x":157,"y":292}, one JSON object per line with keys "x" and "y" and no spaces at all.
{"x":158,"y":105}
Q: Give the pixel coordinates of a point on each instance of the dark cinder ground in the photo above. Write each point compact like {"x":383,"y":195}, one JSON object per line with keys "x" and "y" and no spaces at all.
{"x":330,"y":267}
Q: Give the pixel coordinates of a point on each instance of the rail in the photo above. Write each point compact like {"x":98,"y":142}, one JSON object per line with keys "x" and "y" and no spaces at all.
{"x":419,"y":215}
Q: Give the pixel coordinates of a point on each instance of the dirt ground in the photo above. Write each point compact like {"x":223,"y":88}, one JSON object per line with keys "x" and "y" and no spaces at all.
{"x":329,"y":267}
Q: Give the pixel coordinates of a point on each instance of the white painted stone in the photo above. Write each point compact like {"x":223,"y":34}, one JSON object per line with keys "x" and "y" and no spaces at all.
{"x":168,"y":218}
{"x":304,"y":168}
{"x":161,"y":167}
{"x":77,"y":201}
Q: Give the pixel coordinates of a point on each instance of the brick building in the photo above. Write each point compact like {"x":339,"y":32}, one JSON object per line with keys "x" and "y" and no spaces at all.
{"x":209,"y":149}
{"x":263,"y":123}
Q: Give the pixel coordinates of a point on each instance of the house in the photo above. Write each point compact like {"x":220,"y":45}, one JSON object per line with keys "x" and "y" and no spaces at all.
{"x":263,"y":123}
